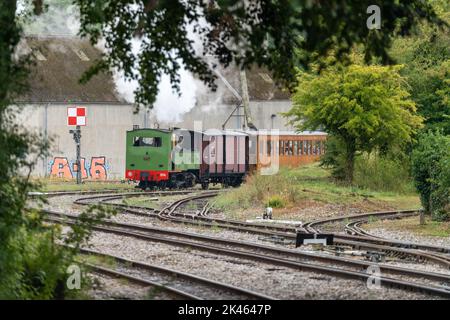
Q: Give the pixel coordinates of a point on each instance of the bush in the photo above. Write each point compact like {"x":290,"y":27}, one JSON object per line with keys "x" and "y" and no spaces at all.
{"x":431,"y":171}
{"x":383,"y":173}
{"x":276,"y":202}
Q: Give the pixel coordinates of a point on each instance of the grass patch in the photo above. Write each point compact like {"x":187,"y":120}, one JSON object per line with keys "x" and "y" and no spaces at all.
{"x":430,"y":228}
{"x":98,"y":260}
{"x":383,"y":174}
{"x":293,"y":187}
{"x":142,"y":202}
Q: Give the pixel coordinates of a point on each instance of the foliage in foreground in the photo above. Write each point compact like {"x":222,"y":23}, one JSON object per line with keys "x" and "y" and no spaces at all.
{"x":431,"y":171}
{"x":259,"y":32}
{"x":31,"y":265}
{"x":43,"y":254}
{"x":363,"y":108}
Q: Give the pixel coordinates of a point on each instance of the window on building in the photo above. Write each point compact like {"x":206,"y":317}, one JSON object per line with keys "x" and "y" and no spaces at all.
{"x":295,"y":148}
{"x":39,"y":56}
{"x":281,"y":147}
{"x":147,"y":142}
{"x":81,"y":55}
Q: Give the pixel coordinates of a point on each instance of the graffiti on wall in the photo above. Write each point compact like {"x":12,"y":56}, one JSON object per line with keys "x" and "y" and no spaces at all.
{"x":96,"y":169}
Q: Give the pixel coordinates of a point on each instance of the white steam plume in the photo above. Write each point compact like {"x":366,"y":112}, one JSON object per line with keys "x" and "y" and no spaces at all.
{"x":170,"y":106}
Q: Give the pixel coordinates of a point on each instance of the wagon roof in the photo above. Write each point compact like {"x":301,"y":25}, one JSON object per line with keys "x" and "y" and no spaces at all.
{"x":286,"y":133}
{"x":150,"y":129}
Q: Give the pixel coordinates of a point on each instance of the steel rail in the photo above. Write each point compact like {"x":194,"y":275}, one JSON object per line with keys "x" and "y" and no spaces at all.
{"x":271,"y":249}
{"x":275,"y":260}
{"x":391,"y":247}
{"x":141,"y":281}
{"x":179,"y":275}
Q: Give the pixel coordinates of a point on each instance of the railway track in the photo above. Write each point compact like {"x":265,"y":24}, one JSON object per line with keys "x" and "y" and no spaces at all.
{"x":414,"y":251}
{"x":180,"y":284}
{"x":178,"y":294}
{"x":277,"y":256}
{"x":358,"y":240}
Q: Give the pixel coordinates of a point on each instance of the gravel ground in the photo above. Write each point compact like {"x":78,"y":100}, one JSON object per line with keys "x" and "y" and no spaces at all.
{"x":278,"y":281}
{"x":106,"y":288}
{"x":62,"y":203}
{"x":284,"y":283}
{"x":310,"y":211}
{"x":410,"y":237}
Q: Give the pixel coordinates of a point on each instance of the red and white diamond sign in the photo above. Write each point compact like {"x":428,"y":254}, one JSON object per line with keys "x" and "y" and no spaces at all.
{"x":76,"y":116}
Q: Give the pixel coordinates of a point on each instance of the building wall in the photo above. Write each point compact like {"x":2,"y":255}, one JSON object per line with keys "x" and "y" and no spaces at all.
{"x":103,"y":139}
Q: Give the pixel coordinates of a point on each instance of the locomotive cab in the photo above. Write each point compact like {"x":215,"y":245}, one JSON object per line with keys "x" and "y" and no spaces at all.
{"x":147,"y":156}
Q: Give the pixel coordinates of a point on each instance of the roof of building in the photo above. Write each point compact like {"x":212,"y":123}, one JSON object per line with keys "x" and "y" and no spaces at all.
{"x":59,"y":63}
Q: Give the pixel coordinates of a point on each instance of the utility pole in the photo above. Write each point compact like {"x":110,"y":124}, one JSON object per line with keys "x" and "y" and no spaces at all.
{"x":77,"y":138}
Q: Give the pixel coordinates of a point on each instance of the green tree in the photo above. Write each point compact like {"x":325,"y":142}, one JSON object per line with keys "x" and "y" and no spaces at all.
{"x":363,"y":107}
{"x":426,"y":56}
{"x":431,"y":171}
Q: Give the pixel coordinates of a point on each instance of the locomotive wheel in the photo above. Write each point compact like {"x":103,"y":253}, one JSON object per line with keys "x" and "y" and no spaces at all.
{"x":205,"y":185}
{"x":189,"y":180}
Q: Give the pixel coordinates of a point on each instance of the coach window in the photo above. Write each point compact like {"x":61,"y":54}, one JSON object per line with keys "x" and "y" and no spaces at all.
{"x":147,"y":142}
{"x":269,"y":147}
{"x":300,"y":147}
{"x":295,"y":147}
{"x":289,"y":148}
{"x":281,"y":148}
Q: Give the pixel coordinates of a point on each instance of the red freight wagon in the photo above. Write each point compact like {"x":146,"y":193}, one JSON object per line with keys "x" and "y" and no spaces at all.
{"x":224,"y":158}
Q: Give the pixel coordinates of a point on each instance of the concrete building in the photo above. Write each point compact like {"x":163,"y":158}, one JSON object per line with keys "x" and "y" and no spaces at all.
{"x":54,"y":86}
